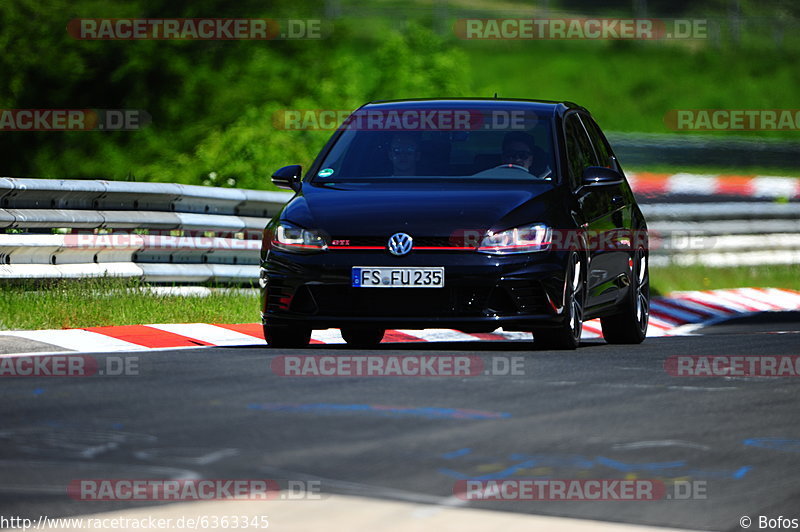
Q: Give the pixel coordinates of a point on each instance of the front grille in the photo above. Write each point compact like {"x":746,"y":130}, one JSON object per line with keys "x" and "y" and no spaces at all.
{"x":399,"y":302}
{"x":508,"y":298}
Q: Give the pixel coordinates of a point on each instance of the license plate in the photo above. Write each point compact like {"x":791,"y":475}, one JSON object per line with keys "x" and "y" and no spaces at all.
{"x":409,"y":277}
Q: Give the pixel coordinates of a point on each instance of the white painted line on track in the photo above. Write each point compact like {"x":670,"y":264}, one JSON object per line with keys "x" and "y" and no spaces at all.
{"x":759,"y":297}
{"x":698,"y":307}
{"x":208,"y":333}
{"x":78,"y":340}
{"x":676,"y":315}
{"x":514,"y":335}
{"x":789,"y":298}
{"x":328,"y":336}
{"x":737,"y":299}
{"x":714,"y":299}
{"x":439,"y":335}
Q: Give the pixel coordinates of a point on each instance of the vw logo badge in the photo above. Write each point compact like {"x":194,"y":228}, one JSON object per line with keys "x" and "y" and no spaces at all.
{"x":400,"y":244}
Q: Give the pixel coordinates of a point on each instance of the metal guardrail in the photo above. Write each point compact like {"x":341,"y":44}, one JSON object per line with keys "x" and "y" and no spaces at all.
{"x":124,"y":195}
{"x":158,"y":231}
{"x":171,"y":233}
{"x":645,"y":149}
{"x":724,"y":234}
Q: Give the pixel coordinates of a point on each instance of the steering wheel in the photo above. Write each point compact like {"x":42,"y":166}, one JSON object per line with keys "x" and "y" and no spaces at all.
{"x":509,"y":165}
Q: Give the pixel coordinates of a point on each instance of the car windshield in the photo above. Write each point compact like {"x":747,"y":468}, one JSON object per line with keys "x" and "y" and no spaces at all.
{"x":401,"y":143}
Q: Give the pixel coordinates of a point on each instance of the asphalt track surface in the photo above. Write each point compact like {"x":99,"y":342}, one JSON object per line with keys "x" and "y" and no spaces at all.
{"x":601,"y":412}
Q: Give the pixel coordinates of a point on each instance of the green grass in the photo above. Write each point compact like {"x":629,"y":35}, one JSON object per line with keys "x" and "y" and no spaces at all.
{"x":669,"y":279}
{"x":108,"y":301}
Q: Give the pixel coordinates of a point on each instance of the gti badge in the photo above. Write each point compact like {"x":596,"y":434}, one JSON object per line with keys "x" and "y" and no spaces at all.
{"x":400,"y":244}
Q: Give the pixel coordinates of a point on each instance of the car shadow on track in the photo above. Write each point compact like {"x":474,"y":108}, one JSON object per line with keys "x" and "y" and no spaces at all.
{"x":478,"y":345}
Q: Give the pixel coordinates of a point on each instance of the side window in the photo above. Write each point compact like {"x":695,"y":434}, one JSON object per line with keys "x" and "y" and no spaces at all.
{"x":599,"y":142}
{"x":579,"y":149}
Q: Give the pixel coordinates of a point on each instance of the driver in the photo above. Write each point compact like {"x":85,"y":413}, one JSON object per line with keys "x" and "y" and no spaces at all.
{"x":404,"y":154}
{"x":518,"y":149}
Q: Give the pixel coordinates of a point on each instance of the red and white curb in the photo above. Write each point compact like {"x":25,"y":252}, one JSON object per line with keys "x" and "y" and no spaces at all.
{"x":672,"y":315}
{"x":652,"y":184}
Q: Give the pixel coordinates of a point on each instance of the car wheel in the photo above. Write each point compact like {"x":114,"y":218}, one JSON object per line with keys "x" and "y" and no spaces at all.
{"x":630,"y":325}
{"x":287,"y":336}
{"x":362,"y":337}
{"x":567,"y":335}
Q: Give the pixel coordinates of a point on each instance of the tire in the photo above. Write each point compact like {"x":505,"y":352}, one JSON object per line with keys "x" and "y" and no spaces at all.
{"x":568,"y":335}
{"x":287,"y":336}
{"x":630,"y":325}
{"x":363,"y":337}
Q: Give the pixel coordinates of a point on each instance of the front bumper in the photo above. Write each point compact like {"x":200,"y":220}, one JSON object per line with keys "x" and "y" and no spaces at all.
{"x":481,"y":292}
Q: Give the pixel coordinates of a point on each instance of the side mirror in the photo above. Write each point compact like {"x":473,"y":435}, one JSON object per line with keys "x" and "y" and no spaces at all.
{"x":288,"y":177}
{"x":600,"y":176}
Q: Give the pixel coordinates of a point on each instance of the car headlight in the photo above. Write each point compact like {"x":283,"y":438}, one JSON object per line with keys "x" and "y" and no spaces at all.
{"x":525,"y":239}
{"x":295,"y":239}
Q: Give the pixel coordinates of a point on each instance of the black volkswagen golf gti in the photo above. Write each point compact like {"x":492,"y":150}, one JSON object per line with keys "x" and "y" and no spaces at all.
{"x":470,"y":214}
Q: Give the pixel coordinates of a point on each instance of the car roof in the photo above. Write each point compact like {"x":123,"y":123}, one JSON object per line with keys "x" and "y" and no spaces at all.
{"x":543,"y":106}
